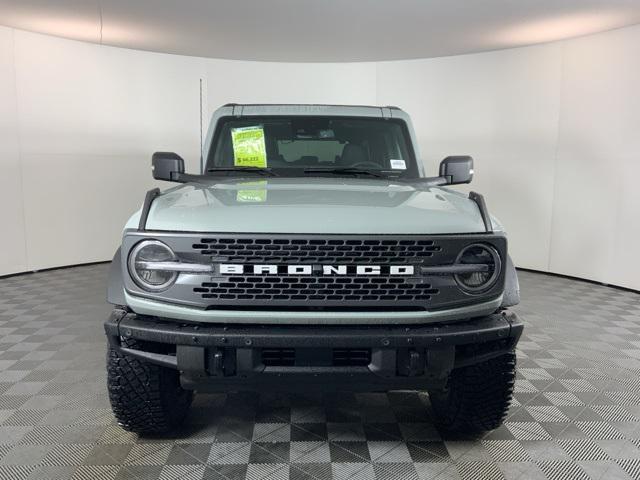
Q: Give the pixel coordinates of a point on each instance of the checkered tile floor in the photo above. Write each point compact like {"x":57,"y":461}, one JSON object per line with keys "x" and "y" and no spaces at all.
{"x":576,"y":413}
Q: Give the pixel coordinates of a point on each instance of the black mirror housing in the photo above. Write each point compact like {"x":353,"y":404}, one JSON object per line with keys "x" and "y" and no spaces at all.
{"x":167,"y":166}
{"x":457,"y":169}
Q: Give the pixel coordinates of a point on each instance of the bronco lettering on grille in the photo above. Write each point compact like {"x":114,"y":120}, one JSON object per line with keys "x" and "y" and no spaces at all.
{"x":264,"y":269}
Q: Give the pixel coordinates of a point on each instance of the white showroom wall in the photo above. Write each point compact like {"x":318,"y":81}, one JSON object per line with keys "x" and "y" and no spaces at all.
{"x":501,"y":108}
{"x":555,"y":133}
{"x":597,"y":202}
{"x":13,"y":255}
{"x":84,"y":120}
{"x":554,"y":129}
{"x":88,"y":119}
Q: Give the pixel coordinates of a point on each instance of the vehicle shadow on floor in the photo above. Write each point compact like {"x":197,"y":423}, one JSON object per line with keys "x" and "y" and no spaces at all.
{"x":333,"y":417}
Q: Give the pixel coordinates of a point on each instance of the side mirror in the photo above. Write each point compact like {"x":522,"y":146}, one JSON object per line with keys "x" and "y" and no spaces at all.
{"x":457,"y":169}
{"x":167,"y":166}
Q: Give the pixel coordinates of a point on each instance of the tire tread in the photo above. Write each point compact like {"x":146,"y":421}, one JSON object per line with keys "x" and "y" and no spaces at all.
{"x":146,"y":399}
{"x":478,"y":396}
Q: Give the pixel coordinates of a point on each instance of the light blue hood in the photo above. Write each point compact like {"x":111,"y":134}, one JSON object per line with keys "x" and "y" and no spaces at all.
{"x":312,"y":205}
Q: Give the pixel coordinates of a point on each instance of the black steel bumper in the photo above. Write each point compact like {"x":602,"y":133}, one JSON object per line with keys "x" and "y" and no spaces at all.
{"x":294,"y":357}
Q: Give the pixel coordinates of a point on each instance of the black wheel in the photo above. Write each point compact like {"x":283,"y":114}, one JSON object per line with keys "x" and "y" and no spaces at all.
{"x":477,"y":397}
{"x":146,"y":399}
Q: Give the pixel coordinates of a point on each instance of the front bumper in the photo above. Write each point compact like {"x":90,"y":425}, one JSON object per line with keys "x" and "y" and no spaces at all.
{"x":299,"y":357}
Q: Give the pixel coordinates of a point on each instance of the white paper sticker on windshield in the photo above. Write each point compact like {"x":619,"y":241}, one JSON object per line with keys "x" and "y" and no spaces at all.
{"x":398,"y":164}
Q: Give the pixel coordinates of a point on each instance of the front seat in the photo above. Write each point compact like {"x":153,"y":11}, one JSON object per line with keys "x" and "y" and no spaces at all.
{"x":352,"y":154}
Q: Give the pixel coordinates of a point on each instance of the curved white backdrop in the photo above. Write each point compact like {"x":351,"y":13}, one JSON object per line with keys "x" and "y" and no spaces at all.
{"x":554,"y":129}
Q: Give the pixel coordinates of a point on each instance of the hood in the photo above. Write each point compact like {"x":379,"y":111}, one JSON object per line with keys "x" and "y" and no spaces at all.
{"x":313,"y":205}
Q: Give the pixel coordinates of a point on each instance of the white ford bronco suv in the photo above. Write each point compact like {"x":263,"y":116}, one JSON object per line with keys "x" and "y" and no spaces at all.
{"x":312,"y":252}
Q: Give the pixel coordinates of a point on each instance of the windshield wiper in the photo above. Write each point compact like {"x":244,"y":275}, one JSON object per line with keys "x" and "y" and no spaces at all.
{"x":259,"y":170}
{"x":345,"y":170}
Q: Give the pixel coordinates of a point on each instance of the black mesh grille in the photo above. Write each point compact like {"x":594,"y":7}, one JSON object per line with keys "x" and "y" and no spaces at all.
{"x":309,"y":250}
{"x":317,"y":289}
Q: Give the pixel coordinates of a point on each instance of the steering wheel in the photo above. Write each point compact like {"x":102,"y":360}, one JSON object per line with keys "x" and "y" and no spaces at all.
{"x":365,"y":164}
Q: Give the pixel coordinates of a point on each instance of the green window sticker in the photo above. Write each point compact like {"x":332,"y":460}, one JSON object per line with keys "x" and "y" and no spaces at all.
{"x":248,"y":147}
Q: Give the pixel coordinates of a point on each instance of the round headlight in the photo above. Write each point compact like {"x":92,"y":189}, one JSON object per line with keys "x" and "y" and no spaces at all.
{"x":141,"y":268}
{"x":485,"y":257}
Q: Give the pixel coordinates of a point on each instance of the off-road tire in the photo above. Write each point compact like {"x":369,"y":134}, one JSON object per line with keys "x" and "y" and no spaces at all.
{"x":477,"y":397}
{"x":145,"y":398}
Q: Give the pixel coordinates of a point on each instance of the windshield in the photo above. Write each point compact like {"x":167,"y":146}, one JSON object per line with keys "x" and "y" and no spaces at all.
{"x":298,"y":146}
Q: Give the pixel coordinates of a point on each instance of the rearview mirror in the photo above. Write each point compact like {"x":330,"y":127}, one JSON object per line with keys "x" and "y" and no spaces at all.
{"x":167,"y":166}
{"x":457,"y":169}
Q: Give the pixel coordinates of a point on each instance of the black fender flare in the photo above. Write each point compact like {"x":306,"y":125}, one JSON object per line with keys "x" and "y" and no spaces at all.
{"x":115,"y":285}
{"x":511,"y":294}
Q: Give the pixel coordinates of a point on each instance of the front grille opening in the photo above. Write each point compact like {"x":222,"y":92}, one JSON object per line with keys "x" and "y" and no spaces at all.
{"x":337,"y":357}
{"x":351,"y":357}
{"x":279,"y":357}
{"x":317,"y":292}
